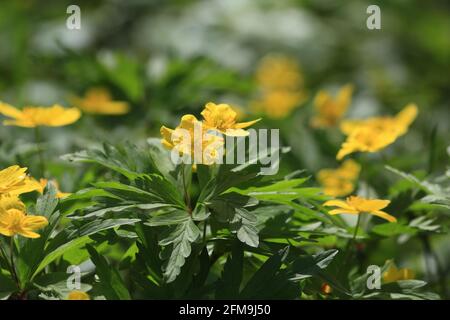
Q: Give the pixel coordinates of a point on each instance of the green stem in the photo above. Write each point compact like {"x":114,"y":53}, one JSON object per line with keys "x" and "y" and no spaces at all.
{"x":348,"y":249}
{"x":37,"y":137}
{"x":187,"y":197}
{"x":204,"y":232}
{"x":13,"y":267}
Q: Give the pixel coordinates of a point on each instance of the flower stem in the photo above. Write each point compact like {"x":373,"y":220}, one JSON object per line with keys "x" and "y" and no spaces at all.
{"x":204,"y":232}
{"x":13,"y":267}
{"x":37,"y":137}
{"x":348,"y":249}
{"x":187,"y":197}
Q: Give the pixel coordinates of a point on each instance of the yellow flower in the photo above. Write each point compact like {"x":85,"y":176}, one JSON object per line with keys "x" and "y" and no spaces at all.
{"x":358,"y":205}
{"x":374,"y":134}
{"x":330,"y":110}
{"x":78,"y":295}
{"x":14,"y":180}
{"x":277,"y":104}
{"x":399,"y":123}
{"x":393,"y":274}
{"x":222,"y":117}
{"x":13,"y":219}
{"x":189,"y":134}
{"x":279,"y":72}
{"x":339,"y":182}
{"x":280,"y":83}
{"x":59,"y":194}
{"x":99,"y":100}
{"x":31,"y":117}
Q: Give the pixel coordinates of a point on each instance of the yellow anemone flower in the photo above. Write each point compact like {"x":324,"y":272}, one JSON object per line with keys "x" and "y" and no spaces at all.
{"x":223,"y":118}
{"x":13,"y":219}
{"x":280,"y":82}
{"x":14,"y":180}
{"x":99,"y":100}
{"x":366,"y":139}
{"x":279,"y":72}
{"x":78,"y":295}
{"x":190,"y":133}
{"x":277,"y":104}
{"x":330,"y":110}
{"x":374,"y":134}
{"x":393,"y":274}
{"x":31,"y":117}
{"x":339,"y":182}
{"x":398,"y":123}
{"x":43,"y":183}
{"x":358,"y":205}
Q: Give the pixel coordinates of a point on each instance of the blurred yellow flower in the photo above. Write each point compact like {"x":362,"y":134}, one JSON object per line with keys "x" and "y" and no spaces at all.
{"x":279,"y":72}
{"x":43,"y":183}
{"x":78,"y":295}
{"x":13,"y":219}
{"x":398,"y":123}
{"x":341,"y":181}
{"x":393,"y":274}
{"x":280,"y":83}
{"x":14,"y":180}
{"x":187,"y":135}
{"x":99,"y":101}
{"x":330,"y":110}
{"x":374,"y":134}
{"x":358,"y":205}
{"x":278,"y":104}
{"x":222,"y":117}
{"x":31,"y":117}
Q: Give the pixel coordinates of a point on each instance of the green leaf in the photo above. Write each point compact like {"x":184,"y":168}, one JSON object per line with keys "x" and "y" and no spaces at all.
{"x":168,"y":218}
{"x":247,"y":232}
{"x":270,"y":281}
{"x":112,"y":285}
{"x":311,"y":265}
{"x":179,"y":239}
{"x":392,"y":229}
{"x":229,"y":284}
{"x":7,"y":286}
{"x":31,"y":251}
{"x":58,"y":252}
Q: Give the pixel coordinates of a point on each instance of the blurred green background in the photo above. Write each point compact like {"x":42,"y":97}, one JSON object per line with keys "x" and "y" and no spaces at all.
{"x":168,"y":58}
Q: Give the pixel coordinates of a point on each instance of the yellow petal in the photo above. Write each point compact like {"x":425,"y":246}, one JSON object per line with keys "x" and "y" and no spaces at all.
{"x":34,"y":222}
{"x":344,"y":98}
{"x":343,"y":211}
{"x":384,"y":215}
{"x":336,"y":203}
{"x":29,"y":234}
{"x":242,"y":125}
{"x":78,"y":295}
{"x":65,"y":116}
{"x":373,"y":205}
{"x":236,"y":133}
{"x":10,"y":111}
{"x":6,"y":232}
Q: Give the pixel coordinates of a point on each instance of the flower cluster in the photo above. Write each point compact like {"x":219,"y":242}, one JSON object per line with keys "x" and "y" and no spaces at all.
{"x":13,"y":217}
{"x":217,"y":118}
